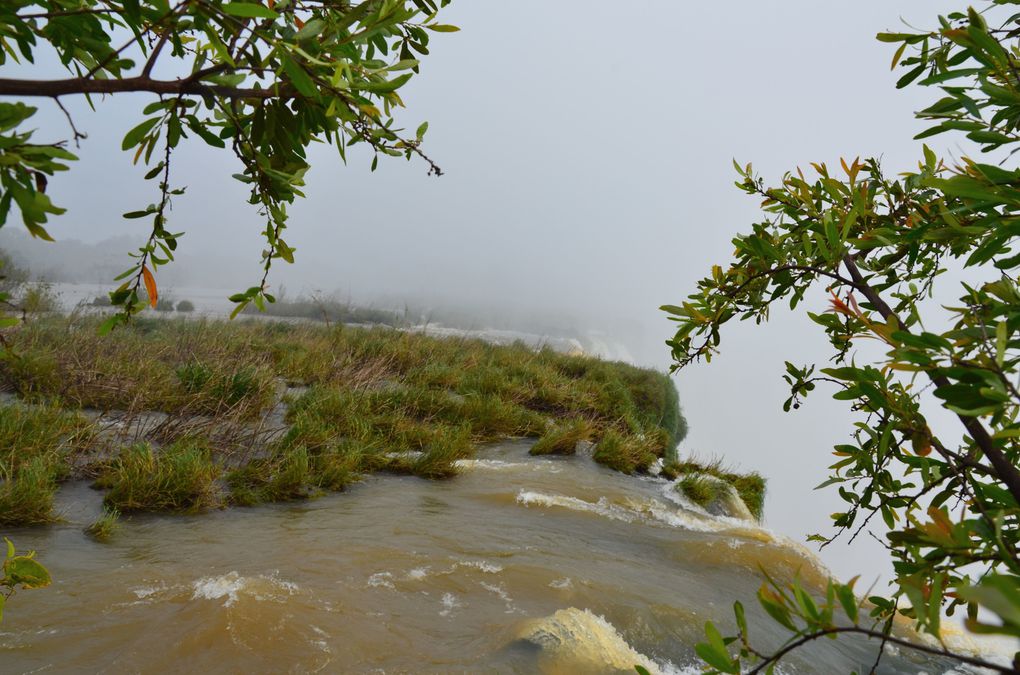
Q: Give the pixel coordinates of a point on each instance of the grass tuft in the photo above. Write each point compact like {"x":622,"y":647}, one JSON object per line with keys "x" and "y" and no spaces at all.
{"x":180,"y":477}
{"x":624,"y":453}
{"x":563,"y":439}
{"x":26,"y":497}
{"x":105,"y":526}
{"x":750,"y":487}
{"x":285,"y":477}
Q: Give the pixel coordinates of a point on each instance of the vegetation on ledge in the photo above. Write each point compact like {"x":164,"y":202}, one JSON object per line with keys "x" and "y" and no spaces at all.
{"x":703,"y":491}
{"x":183,"y":415}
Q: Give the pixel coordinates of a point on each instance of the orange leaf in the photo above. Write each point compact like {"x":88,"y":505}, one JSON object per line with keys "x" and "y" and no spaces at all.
{"x":150,"y":285}
{"x":839,"y":306}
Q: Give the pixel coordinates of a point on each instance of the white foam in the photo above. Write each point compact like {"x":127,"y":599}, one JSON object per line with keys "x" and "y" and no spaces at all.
{"x":481,"y":565}
{"x":601,"y":507}
{"x":665,"y":512}
{"x":418,"y":573}
{"x":149,"y":591}
{"x":503,"y":465}
{"x":381,"y":579}
{"x":501,"y":593}
{"x":232,"y":585}
{"x":214,"y":588}
{"x":449,"y":603}
{"x":561,"y":584}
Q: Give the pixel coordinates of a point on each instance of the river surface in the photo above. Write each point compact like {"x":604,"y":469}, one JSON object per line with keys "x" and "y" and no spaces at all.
{"x":520,"y":564}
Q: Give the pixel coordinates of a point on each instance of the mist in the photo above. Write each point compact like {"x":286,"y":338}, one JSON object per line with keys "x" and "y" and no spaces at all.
{"x":587,"y":152}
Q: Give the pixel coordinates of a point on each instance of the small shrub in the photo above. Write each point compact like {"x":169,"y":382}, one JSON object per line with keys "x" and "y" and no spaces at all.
{"x":185,"y":306}
{"x":101,"y":301}
{"x":105,"y":526}
{"x":180,"y":477}
{"x":563,"y":440}
{"x":164,"y":305}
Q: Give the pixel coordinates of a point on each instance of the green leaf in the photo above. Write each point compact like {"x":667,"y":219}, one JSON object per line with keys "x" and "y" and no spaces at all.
{"x":845,"y":593}
{"x":110,"y":323}
{"x":311,"y":29}
{"x":26,"y":572}
{"x":387,"y":86}
{"x":443,"y":28}
{"x":738,"y":612}
{"x":249,"y":10}
{"x":136,"y":134}
{"x":714,"y":651}
{"x":298,"y":76}
{"x":240,"y":308}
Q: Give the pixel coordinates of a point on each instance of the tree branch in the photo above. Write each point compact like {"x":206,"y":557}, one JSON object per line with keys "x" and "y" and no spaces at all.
{"x":188,"y":87}
{"x":1004,"y":469}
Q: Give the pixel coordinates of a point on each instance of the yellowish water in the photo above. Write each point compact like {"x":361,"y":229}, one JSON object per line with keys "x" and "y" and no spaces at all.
{"x":520,"y":564}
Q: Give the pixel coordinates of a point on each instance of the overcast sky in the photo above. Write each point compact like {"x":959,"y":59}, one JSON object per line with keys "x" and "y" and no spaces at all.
{"x":587,"y":149}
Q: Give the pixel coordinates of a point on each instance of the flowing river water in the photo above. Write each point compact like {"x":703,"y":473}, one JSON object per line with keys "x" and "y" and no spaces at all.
{"x":520,"y":564}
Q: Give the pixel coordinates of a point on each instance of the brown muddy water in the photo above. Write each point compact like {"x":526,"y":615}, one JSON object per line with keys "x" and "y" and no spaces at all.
{"x":520,"y":564}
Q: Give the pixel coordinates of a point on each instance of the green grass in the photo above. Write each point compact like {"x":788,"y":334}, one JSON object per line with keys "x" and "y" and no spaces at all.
{"x":178,"y":477}
{"x":26,"y":497}
{"x":28,"y":432}
{"x":285,"y":477}
{"x":438,"y":456}
{"x":627,"y":454}
{"x":563,"y":439}
{"x":105,"y":526}
{"x":36,"y":443}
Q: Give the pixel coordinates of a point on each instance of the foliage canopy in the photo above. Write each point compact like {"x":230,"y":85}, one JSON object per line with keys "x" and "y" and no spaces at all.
{"x":264,"y":80}
{"x":877,"y":245}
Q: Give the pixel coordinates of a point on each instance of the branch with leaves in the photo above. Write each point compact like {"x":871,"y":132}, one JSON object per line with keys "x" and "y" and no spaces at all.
{"x":876,"y":248}
{"x":267,"y":79}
